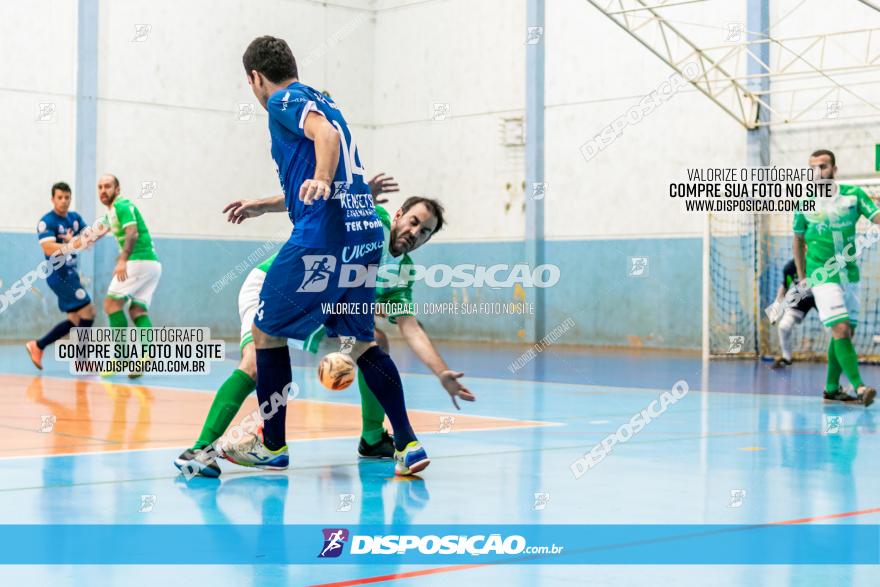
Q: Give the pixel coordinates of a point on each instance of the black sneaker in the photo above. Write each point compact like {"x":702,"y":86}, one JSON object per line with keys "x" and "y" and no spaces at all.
{"x":384,"y":449}
{"x":866,"y":395}
{"x":197,"y":462}
{"x":780,"y":363}
{"x":838,"y":396}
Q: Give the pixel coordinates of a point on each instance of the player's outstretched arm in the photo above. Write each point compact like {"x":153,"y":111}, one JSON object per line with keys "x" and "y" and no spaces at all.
{"x":326,"y":139}
{"x":240,"y":210}
{"x":420,"y":343}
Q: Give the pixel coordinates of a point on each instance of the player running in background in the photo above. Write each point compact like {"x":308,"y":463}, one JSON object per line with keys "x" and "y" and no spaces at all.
{"x":825,"y":251}
{"x":317,"y":158}
{"x":137,"y":271}
{"x":412,"y":226}
{"x":788,"y":315}
{"x":57,"y":230}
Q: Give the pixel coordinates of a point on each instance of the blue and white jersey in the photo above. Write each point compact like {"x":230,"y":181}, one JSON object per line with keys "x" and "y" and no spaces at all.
{"x":348,"y":217}
{"x":53,"y":227}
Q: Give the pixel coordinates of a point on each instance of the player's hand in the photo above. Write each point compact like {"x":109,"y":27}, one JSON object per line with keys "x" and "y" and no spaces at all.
{"x":119,"y":271}
{"x":68,"y":236}
{"x":382,"y":184}
{"x":449,"y":381}
{"x":313,"y":189}
{"x":240,"y":210}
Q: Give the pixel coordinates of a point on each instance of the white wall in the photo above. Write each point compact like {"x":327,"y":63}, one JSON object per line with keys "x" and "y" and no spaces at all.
{"x":472,"y":55}
{"x":38,"y":65}
{"x":168,"y":109}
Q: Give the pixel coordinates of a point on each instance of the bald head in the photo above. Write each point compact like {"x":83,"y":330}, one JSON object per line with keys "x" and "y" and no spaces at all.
{"x":108,"y":188}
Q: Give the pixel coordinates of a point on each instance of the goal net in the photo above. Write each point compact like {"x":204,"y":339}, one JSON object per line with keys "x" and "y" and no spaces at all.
{"x":746,"y":254}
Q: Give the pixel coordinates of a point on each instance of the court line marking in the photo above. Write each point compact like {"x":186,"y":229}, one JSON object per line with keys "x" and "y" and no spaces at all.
{"x":451,"y":569}
{"x":318,"y":401}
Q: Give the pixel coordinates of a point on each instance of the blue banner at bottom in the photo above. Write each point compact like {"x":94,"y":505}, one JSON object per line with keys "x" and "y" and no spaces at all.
{"x":816,"y":544}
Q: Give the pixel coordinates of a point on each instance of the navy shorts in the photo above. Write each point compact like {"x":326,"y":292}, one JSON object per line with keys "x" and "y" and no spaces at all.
{"x":72,"y":296}
{"x":307,"y":288}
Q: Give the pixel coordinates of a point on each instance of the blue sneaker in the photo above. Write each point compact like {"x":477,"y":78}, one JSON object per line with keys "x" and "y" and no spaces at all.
{"x":253,"y":453}
{"x":411,"y":459}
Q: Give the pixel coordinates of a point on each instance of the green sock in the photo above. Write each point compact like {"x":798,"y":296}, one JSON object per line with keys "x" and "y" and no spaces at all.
{"x":143,"y":321}
{"x":226,"y":404}
{"x":117,"y":319}
{"x":848,"y":359}
{"x":832,"y":380}
{"x":372,"y":414}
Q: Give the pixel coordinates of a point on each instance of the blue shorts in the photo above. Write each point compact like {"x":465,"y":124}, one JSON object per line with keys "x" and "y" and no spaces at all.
{"x":303,"y":292}
{"x":72,"y":296}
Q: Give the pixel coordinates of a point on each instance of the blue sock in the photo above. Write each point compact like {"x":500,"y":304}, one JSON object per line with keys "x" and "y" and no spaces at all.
{"x":382,"y":378}
{"x":273,"y":375}
{"x":60,"y":330}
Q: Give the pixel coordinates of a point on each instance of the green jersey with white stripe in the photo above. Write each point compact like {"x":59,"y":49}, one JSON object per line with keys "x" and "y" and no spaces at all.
{"x":830,"y":229}
{"x":123,"y":213}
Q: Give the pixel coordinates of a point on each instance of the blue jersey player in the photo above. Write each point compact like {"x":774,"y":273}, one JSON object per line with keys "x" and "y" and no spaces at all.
{"x":55,"y":230}
{"x":336,"y":234}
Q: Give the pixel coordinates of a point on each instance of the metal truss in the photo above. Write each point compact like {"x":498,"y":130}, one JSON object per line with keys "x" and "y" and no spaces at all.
{"x":813,"y":78}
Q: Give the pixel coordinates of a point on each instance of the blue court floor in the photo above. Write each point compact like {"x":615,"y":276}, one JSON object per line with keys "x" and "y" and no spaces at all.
{"x":746,"y":445}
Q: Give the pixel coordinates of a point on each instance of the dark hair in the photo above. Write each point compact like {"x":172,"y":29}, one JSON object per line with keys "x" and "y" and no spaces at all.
{"x":433,"y":206}
{"x":270,"y":56}
{"x":821,"y":152}
{"x":62,"y":186}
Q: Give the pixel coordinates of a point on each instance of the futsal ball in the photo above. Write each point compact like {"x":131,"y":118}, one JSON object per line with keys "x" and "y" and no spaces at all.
{"x":336,"y":371}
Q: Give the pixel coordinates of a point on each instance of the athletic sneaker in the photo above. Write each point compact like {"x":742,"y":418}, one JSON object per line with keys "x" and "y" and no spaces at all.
{"x":411,"y":459}
{"x":253,"y":453}
{"x":865,"y":395}
{"x":198,"y":462}
{"x":384,"y":449}
{"x":36,"y":354}
{"x":139,"y":371}
{"x":780,"y":362}
{"x":838,"y":395}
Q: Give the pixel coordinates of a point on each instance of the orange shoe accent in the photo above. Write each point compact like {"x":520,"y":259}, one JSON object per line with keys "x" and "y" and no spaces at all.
{"x":35,"y":353}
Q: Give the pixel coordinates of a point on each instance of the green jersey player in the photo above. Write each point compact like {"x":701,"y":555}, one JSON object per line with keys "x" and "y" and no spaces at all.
{"x":412,"y":226}
{"x":137,"y":271}
{"x":825,"y":249}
